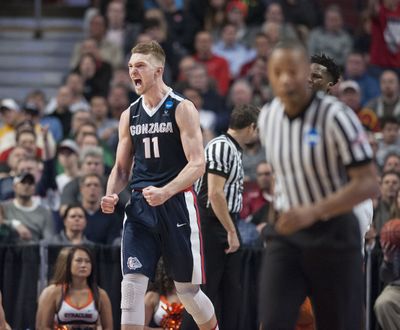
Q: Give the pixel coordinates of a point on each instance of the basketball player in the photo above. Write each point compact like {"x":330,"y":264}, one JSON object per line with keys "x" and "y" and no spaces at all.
{"x":325,"y":73}
{"x":322,"y":163}
{"x":160,"y":136}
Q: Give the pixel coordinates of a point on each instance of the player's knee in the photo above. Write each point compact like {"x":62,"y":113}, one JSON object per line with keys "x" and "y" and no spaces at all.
{"x":133,"y":289}
{"x":195,"y":301}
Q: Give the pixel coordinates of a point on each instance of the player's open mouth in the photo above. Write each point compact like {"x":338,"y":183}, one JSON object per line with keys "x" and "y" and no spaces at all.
{"x":137,"y":82}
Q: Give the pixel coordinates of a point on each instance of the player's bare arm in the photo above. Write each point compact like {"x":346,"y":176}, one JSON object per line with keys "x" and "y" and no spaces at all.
{"x":216,"y":196}
{"x":187,"y":119}
{"x":119,"y":175}
{"x":363,"y":184}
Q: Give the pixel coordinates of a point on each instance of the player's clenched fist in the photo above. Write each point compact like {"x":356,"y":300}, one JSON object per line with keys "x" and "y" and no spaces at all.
{"x":108,"y":203}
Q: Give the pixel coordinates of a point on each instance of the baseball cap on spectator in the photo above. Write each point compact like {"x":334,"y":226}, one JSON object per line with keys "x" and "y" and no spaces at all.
{"x":24,"y":177}
{"x":349,"y":85}
{"x":237,"y":5}
{"x":9,"y":104}
{"x":70,"y":145}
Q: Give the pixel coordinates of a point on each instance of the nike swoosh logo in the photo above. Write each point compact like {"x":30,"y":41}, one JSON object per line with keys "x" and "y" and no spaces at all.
{"x":135,"y":116}
{"x":180,"y":224}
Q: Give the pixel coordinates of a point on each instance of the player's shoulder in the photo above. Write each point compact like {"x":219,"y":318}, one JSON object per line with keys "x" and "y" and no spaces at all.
{"x":184,"y":107}
{"x":131,"y":107}
{"x":175,"y":100}
{"x":135,"y":103}
{"x":176,"y":96}
{"x":182,"y":103}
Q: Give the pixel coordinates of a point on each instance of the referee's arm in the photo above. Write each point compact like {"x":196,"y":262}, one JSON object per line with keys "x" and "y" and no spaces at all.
{"x":216,"y":196}
{"x":363,"y":184}
{"x":355,"y":153}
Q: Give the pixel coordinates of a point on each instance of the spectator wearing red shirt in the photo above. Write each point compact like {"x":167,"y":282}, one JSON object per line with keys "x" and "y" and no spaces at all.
{"x":217,"y":67}
{"x":385,"y":35}
{"x":262,"y":45}
{"x":25,"y":138}
{"x":256,"y":202}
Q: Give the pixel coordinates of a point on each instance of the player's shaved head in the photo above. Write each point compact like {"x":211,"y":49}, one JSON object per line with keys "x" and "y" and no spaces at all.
{"x":290,"y":45}
{"x":288,"y":73}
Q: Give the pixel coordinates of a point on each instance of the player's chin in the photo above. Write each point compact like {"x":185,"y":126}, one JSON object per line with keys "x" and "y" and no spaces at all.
{"x":139,"y":90}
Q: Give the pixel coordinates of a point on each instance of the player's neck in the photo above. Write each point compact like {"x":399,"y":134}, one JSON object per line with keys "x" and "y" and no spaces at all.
{"x":153,"y":96}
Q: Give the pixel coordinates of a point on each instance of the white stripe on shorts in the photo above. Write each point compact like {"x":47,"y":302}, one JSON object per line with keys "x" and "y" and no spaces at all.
{"x":194,"y":238}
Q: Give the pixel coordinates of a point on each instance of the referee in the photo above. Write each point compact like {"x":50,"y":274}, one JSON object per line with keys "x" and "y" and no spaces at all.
{"x":220,"y":201}
{"x":325,"y":74}
{"x":322,"y":163}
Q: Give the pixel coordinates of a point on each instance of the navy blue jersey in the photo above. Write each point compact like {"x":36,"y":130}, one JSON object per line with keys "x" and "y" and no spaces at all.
{"x":157,"y":146}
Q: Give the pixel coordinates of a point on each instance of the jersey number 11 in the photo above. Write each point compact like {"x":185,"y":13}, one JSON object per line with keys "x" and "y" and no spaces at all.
{"x":147,"y":147}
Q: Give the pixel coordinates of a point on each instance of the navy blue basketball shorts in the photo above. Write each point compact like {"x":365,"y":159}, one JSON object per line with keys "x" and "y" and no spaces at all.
{"x":171,"y":230}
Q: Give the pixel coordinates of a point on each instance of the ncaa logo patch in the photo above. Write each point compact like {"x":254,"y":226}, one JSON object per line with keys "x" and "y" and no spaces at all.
{"x":312,"y":137}
{"x":169,"y":104}
{"x":134,"y":263}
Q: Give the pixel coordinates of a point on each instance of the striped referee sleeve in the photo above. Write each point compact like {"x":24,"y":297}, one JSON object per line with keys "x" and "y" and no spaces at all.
{"x":350,"y":138}
{"x":218,"y":157}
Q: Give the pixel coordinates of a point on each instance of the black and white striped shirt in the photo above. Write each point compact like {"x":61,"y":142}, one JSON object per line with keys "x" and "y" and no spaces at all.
{"x":310,"y":153}
{"x":223,"y":157}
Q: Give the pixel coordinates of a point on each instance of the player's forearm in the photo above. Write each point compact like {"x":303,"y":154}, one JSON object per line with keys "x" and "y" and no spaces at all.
{"x":220,"y":208}
{"x":117,"y":181}
{"x":356,"y":191}
{"x":185,"y":179}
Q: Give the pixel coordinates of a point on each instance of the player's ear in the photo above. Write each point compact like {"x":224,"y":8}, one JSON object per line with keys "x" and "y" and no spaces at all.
{"x":329,"y":86}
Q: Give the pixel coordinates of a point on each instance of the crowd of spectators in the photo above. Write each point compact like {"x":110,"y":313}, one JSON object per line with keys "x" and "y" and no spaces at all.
{"x":56,"y":150}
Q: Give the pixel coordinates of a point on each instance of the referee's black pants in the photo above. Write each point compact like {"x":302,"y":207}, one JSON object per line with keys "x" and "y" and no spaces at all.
{"x":223,"y":271}
{"x":331,"y":276}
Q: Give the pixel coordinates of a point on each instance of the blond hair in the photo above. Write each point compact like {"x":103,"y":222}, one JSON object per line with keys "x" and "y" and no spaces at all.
{"x":150,"y":48}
